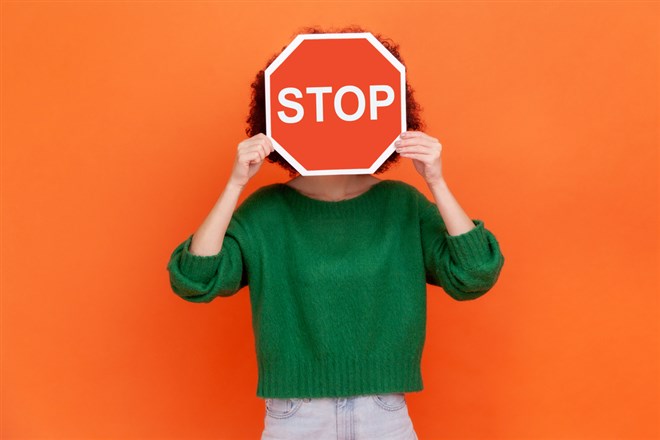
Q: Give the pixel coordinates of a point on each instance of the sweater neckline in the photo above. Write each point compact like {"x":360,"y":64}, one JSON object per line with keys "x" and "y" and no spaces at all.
{"x":302,"y":198}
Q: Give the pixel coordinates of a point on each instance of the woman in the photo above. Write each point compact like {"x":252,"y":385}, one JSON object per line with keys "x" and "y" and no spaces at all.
{"x":337,"y":268}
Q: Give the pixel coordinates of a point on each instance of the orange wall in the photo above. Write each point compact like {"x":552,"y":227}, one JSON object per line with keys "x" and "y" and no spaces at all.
{"x":120,"y":121}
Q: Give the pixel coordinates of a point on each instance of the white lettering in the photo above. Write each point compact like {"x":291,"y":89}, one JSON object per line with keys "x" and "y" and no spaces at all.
{"x":374,"y":103}
{"x":319,"y":91}
{"x":300,"y":112}
{"x":361,"y":103}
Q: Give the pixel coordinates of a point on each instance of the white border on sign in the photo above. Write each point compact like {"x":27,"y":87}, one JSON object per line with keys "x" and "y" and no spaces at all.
{"x":333,"y":36}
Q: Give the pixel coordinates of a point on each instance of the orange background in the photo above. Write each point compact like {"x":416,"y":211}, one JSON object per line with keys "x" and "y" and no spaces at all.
{"x":120,"y":121}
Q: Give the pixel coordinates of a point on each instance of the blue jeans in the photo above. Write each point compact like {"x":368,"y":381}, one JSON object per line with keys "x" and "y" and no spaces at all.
{"x":366,"y":417}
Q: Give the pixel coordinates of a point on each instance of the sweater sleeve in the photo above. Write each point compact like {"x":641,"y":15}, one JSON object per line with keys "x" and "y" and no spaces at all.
{"x":200,"y":278}
{"x":467,"y":265}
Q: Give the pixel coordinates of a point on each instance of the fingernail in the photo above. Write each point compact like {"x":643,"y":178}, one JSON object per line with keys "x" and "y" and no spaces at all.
{"x":397,"y":143}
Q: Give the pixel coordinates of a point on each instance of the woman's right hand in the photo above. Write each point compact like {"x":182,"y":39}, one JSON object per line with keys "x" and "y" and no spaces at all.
{"x":249,"y":158}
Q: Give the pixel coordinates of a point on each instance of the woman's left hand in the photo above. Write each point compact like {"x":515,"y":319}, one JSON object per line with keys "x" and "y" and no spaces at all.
{"x":424,"y":150}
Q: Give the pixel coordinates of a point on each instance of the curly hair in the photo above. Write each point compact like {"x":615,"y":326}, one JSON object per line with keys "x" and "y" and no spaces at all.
{"x":256,"y":120}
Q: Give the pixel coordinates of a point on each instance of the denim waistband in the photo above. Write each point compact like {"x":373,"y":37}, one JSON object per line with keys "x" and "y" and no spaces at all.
{"x":333,"y":399}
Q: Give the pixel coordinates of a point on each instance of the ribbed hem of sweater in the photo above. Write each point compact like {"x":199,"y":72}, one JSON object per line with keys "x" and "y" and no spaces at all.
{"x":470,"y":248}
{"x":338,"y":376}
{"x":198,"y":268}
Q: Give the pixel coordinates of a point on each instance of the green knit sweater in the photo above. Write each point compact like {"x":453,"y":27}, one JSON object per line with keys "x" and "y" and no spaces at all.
{"x":338,"y":289}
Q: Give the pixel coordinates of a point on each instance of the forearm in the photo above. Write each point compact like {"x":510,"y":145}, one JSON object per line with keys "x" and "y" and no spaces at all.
{"x":208,"y":238}
{"x":456,"y":220}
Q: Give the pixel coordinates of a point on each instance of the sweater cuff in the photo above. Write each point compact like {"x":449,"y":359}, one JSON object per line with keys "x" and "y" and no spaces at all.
{"x":198,"y":268}
{"x":471,"y":248}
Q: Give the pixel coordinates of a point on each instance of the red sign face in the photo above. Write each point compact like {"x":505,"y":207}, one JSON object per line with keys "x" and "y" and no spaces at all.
{"x":335,"y":103}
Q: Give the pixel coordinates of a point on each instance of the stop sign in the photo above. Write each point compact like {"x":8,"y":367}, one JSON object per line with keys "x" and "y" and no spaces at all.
{"x":335,"y":103}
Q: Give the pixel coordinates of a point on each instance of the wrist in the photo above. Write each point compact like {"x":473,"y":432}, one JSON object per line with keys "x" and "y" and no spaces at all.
{"x":437,"y":184}
{"x":232,"y":184}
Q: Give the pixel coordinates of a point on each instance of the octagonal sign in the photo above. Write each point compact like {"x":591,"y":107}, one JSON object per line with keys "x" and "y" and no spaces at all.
{"x":335,"y":103}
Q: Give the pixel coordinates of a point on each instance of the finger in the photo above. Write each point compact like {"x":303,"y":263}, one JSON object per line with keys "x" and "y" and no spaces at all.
{"x":251,"y":157}
{"x":415,"y":149}
{"x":268,"y":144}
{"x":415,"y":141}
{"x":250,"y":144}
{"x":420,"y":157}
{"x":266,"y":140}
{"x":259,"y":149}
{"x":413,"y":134}
{"x":417,"y":134}
{"x":263,"y":149}
{"x":254,"y":141}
